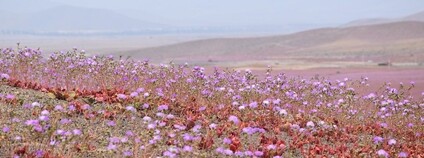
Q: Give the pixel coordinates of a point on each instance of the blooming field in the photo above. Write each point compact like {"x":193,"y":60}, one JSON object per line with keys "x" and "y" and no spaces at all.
{"x":73,"y":105}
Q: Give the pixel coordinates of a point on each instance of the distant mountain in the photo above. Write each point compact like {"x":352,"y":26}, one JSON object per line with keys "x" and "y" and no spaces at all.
{"x":73,"y":19}
{"x":26,"y":6}
{"x":371,"y":21}
{"x":373,"y":40}
{"x":415,"y":17}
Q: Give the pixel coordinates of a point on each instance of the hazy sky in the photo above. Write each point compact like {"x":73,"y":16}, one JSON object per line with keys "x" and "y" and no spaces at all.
{"x":283,"y":16}
{"x":254,"y":12}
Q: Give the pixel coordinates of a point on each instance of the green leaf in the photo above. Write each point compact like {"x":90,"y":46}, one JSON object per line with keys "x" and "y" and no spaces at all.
{"x":51,"y":95}
{"x":72,"y":94}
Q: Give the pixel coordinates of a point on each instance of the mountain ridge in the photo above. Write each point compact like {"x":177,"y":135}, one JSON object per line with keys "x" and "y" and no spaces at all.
{"x":381,"y":37}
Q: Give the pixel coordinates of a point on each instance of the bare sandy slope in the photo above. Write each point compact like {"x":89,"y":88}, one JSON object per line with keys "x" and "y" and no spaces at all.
{"x":395,"y":42}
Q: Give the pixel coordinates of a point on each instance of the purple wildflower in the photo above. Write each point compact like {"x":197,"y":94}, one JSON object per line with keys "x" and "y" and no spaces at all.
{"x":239,"y":154}
{"x":111,"y":123}
{"x":162,"y":107}
{"x":4,"y":76}
{"x":248,"y":153}
{"x":377,"y":140}
{"x":234,"y":119}
{"x":212,"y":125}
{"x":43,"y":118}
{"x":45,"y":112}
{"x":6,"y":129}
{"x":58,"y":108}
{"x":283,"y":112}
{"x":228,"y":152}
{"x":86,"y":107}
{"x":392,"y":142}
{"x":76,"y":132}
{"x":60,"y":132}
{"x":121,"y":96}
{"x":129,"y":133}
{"x":219,"y":150}
{"x":188,"y":148}
{"x":383,"y":153}
{"x":32,"y":122}
{"x":180,"y":127}
{"x":111,"y":146}
{"x":147,"y":118}
{"x":127,"y":153}
{"x":39,"y":153}
{"x":151,"y":126}
{"x":202,"y":108}
{"x":34,"y":104}
{"x":65,"y":121}
{"x":134,"y":94}
{"x":71,"y":108}
{"x":384,"y":125}
{"x":187,"y":137}
{"x":253,"y":105}
{"x":227,"y":141}
{"x":403,"y":154}
{"x":259,"y":153}
{"x":271,"y":147}
{"x":10,"y":96}
{"x":310,"y":124}
{"x":131,"y":108}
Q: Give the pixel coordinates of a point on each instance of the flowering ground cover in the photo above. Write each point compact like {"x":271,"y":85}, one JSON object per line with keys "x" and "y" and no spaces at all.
{"x":73,"y":105}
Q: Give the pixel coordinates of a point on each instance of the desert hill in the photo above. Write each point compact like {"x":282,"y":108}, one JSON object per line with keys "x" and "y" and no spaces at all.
{"x":403,"y":41}
{"x":372,"y":21}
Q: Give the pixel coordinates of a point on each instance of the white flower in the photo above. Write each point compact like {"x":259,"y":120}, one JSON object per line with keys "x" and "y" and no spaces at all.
{"x":4,"y":76}
{"x":34,"y":104}
{"x":283,"y":112}
{"x":392,"y":142}
{"x":310,"y":124}
{"x":45,"y":112}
